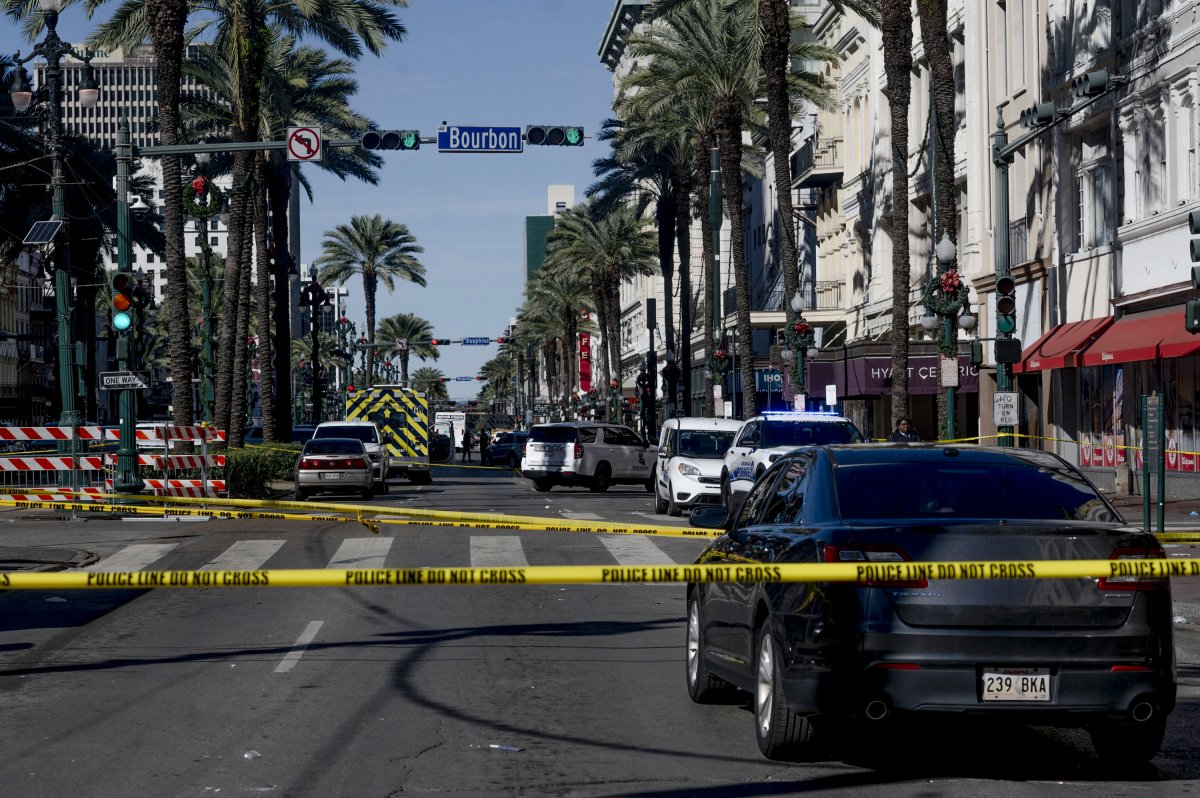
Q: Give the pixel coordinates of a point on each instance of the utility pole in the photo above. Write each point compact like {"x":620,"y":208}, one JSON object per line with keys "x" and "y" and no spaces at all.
{"x":127,"y":479}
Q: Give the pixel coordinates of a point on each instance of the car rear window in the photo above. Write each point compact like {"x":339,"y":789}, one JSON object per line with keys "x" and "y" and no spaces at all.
{"x":365,"y":433}
{"x":704,"y":443}
{"x":808,"y":433}
{"x":553,"y":434}
{"x":986,"y":491}
{"x":333,"y":446}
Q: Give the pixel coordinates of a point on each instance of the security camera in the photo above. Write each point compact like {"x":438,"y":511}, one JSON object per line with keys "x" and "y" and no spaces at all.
{"x":139,"y":208}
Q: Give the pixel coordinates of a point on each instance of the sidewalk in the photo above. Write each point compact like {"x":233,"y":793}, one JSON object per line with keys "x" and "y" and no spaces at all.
{"x":1176,"y":512}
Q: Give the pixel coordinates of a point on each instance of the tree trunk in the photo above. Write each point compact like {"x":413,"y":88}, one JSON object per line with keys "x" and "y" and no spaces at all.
{"x":683,"y":231}
{"x":897,"y":62}
{"x":404,"y":367}
{"x":612,"y":296}
{"x":932,"y":14}
{"x":729,"y":139}
{"x":168,"y":19}
{"x":266,"y":377}
{"x":774,"y":17}
{"x":665,"y":217}
{"x":238,"y":201}
{"x":241,"y":359}
{"x":280,"y":185}
{"x":701,"y":149}
{"x":370,"y":285}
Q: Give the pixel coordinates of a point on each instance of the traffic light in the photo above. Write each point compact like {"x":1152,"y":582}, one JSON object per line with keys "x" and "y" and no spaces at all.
{"x":501,"y":340}
{"x":1192,"y":316}
{"x":480,"y":378}
{"x":1091,"y":84}
{"x":122,"y":300}
{"x":391,"y":140}
{"x":554,"y":135}
{"x":349,"y":389}
{"x":1006,"y":305}
{"x":976,"y":353}
{"x":1037,"y":115}
{"x":434,"y":341}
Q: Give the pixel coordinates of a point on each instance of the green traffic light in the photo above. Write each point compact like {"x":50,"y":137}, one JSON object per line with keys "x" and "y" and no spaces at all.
{"x":574,"y":135}
{"x":122,"y":321}
{"x":409,"y":140}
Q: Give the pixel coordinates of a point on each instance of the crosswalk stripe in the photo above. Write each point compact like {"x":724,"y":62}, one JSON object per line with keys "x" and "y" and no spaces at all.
{"x":491,"y":551}
{"x":635,"y":550}
{"x":245,"y":555}
{"x":582,"y":516}
{"x":134,"y":557}
{"x":361,"y":553}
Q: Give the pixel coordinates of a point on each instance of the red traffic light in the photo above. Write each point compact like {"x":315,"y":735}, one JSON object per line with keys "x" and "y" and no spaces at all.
{"x":349,"y":389}
{"x":442,"y":379}
{"x":501,"y":340}
{"x":480,"y":377}
{"x":433,"y":341}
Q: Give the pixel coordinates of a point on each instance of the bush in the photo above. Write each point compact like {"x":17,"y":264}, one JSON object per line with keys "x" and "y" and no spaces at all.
{"x":249,"y":471}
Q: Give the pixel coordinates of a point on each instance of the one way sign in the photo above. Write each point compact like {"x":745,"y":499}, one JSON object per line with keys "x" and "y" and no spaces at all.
{"x":119,"y":380}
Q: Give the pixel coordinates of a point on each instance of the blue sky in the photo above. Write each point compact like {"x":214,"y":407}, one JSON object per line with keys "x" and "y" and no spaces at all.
{"x":484,"y":62}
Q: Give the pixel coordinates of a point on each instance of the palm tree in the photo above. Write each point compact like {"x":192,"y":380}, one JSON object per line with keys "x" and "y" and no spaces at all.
{"x":377,"y":249}
{"x":431,"y":381}
{"x":711,"y":48}
{"x":302,"y":86}
{"x":607,"y":249}
{"x":413,"y":329}
{"x":564,"y":292}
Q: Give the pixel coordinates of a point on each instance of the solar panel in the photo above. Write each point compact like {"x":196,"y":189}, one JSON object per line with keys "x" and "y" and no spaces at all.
{"x":42,"y":232}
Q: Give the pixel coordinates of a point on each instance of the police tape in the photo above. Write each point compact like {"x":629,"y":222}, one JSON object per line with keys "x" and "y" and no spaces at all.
{"x":357,"y":513}
{"x":880,"y":574}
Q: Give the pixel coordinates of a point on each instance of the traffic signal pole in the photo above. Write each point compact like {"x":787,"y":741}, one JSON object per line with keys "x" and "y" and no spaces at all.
{"x":127,"y":479}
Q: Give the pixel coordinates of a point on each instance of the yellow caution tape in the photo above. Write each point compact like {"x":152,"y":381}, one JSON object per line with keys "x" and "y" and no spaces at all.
{"x":863,"y":573}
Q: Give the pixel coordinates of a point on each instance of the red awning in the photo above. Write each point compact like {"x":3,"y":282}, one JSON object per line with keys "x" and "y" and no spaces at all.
{"x":1060,"y":347}
{"x":1142,"y":336}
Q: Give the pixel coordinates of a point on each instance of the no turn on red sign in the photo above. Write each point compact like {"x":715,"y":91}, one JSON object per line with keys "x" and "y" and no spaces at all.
{"x":304,"y":143}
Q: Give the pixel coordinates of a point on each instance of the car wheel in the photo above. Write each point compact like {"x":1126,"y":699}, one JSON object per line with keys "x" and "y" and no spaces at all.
{"x":726,"y":498}
{"x":382,"y":487}
{"x":780,"y":731}
{"x":542,"y":485}
{"x":660,"y":504}
{"x":301,"y":495}
{"x":702,"y":688}
{"x":603,"y":478}
{"x":368,"y":493}
{"x":673,"y":509}
{"x":1128,"y":742}
{"x":650,"y":486}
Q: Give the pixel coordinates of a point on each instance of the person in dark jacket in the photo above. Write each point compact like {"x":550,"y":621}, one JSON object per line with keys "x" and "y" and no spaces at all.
{"x":466,"y":445}
{"x":904,"y":433}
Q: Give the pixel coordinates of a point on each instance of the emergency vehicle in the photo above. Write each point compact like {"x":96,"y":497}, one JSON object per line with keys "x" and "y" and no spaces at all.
{"x":402,"y":416}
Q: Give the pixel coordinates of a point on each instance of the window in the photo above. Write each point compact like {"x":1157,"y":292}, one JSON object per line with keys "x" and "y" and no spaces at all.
{"x":621,"y":436}
{"x":750,"y":435}
{"x":788,"y":497}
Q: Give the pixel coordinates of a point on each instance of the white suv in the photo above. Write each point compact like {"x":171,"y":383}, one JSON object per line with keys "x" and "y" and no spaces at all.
{"x":368,"y":433}
{"x":765,"y":438}
{"x":691,"y":453}
{"x":586,"y":453}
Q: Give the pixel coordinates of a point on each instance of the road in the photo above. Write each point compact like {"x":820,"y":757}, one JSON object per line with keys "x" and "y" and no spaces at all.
{"x":541,"y":690}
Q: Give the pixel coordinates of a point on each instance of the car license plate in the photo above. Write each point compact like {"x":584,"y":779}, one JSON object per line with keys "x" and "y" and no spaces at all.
{"x":331,"y":475}
{"x":1016,"y":684}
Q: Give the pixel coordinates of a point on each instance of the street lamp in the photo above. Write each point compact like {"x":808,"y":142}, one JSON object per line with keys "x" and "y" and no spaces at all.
{"x":53,"y":49}
{"x":947,"y":296}
{"x":315,"y":295}
{"x":799,"y":344}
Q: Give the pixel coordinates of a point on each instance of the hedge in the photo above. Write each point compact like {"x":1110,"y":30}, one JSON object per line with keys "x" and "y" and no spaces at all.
{"x":249,"y":471}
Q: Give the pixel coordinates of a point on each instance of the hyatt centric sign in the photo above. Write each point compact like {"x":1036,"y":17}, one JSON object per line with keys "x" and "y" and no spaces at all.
{"x":462,"y":138}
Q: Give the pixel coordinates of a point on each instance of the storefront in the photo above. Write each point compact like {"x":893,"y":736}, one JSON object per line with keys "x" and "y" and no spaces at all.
{"x":1096,"y":372}
{"x":861,"y":380}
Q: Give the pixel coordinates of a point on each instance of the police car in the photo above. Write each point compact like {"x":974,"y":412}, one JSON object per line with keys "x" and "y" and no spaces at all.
{"x":767,"y":437}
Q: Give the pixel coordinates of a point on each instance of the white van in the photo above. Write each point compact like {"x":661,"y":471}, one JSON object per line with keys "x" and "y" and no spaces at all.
{"x":691,"y":453}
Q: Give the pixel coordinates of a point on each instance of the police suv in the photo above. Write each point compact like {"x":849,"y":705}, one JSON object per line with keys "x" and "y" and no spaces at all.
{"x":767,"y":437}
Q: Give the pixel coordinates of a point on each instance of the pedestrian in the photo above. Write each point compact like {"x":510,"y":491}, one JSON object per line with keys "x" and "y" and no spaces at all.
{"x":466,"y":445}
{"x":904,"y":433}
{"x":485,"y":440}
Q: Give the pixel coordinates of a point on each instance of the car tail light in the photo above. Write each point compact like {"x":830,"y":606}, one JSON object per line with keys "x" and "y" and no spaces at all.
{"x":355,"y":462}
{"x":1133,"y":581}
{"x":578,"y":454}
{"x":875,"y":555}
{"x":309,"y":463}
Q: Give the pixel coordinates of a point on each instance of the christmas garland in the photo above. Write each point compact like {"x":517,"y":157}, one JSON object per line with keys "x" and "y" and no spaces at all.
{"x":719,"y":363}
{"x":202,"y":187}
{"x":947,"y":294}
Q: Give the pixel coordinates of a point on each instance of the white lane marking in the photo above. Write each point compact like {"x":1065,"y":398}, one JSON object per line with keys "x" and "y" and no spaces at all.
{"x":635,"y":550}
{"x":361,"y":553}
{"x":581,"y":516}
{"x":292,"y":657}
{"x":245,"y":555}
{"x":504,"y":551}
{"x":132,"y":558}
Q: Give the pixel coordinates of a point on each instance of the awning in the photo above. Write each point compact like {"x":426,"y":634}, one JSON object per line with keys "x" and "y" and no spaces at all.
{"x":1143,"y":336}
{"x":1060,"y":347}
{"x":871,"y":376}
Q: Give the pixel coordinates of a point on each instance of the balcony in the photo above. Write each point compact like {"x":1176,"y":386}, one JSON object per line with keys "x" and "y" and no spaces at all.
{"x":818,"y":164}
{"x":768,"y":297}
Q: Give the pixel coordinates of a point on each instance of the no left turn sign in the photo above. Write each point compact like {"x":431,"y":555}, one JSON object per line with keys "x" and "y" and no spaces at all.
{"x":304,"y":143}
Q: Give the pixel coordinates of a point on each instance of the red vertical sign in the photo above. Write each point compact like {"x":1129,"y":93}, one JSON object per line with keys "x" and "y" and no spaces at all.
{"x":585,"y":362}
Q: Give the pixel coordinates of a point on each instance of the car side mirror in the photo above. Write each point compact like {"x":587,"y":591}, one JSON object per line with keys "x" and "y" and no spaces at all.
{"x":708,"y":516}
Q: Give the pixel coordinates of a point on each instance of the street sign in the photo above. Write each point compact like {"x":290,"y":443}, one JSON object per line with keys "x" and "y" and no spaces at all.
{"x":464,"y":138}
{"x":402,"y":344}
{"x":463,"y":379}
{"x":1005,"y":409}
{"x":120,"y":380}
{"x":304,"y":143}
{"x":476,"y":341}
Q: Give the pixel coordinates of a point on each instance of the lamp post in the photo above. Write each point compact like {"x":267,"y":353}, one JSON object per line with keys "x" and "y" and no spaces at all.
{"x":53,"y":49}
{"x":314,"y":294}
{"x":799,"y":345}
{"x":947,"y":297}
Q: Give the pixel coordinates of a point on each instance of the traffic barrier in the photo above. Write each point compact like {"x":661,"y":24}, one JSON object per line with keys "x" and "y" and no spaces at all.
{"x":193,"y":488}
{"x":164,"y":462}
{"x":857,"y":573}
{"x":94,"y":463}
{"x":51,"y":433}
{"x":44,"y":469}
